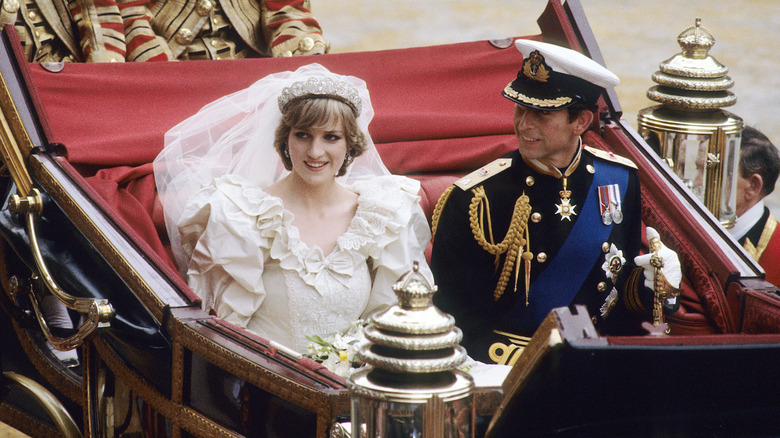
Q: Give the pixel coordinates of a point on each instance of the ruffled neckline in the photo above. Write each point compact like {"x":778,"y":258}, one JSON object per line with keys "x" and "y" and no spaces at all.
{"x":378,"y":219}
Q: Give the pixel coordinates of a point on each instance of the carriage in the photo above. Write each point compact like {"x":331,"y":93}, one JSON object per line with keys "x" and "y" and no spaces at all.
{"x":81,"y":221}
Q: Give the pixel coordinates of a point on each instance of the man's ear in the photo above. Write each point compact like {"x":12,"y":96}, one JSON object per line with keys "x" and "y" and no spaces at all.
{"x":753,"y":190}
{"x":581,"y":123}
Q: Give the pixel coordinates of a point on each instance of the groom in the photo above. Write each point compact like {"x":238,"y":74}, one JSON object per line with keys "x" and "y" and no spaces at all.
{"x":554,"y":223}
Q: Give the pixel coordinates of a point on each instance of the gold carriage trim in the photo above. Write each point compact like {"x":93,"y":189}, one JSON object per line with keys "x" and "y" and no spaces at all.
{"x":545,"y":103}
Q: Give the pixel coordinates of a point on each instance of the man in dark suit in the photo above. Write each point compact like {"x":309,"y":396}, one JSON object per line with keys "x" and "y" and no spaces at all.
{"x":759,"y":166}
{"x":552,"y":224}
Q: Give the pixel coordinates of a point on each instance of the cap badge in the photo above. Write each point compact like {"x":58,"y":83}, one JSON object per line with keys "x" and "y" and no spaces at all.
{"x":535,"y":68}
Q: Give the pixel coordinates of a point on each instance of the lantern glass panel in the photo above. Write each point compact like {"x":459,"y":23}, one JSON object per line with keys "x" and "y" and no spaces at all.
{"x":728,"y":198}
{"x":688,"y":153}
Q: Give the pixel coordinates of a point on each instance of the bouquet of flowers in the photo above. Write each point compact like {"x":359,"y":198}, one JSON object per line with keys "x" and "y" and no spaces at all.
{"x":338,"y":352}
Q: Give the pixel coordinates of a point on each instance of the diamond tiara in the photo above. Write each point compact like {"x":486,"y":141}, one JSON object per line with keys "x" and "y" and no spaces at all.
{"x":326,"y":87}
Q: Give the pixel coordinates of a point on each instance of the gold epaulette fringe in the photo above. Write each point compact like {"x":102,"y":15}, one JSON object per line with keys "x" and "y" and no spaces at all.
{"x":438,"y":209}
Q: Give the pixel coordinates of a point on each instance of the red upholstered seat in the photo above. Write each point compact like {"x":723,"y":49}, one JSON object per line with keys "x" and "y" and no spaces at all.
{"x":434,"y":120}
{"x":439,"y":114}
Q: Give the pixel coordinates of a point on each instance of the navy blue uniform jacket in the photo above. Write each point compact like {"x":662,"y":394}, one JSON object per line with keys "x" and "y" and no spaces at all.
{"x":466,"y":274}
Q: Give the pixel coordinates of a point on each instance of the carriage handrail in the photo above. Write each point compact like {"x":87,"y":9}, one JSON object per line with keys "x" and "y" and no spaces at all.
{"x":97,"y":313}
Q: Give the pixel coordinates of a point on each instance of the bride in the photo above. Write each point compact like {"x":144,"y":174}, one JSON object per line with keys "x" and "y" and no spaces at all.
{"x":280,"y":213}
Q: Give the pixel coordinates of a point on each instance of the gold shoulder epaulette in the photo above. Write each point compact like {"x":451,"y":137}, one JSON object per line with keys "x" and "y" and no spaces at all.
{"x":493,"y":168}
{"x":609,"y":156}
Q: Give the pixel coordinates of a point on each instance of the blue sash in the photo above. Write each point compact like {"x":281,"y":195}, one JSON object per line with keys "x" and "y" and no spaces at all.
{"x":562,"y":279}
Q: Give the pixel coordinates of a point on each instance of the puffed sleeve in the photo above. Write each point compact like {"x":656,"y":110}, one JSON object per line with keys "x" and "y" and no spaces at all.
{"x":402,"y":242}
{"x":219,"y":230}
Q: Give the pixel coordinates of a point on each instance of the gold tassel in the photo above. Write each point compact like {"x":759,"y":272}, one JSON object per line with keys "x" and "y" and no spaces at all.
{"x":527,"y":256}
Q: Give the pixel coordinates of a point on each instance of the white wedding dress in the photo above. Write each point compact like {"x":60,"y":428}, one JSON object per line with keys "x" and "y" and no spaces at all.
{"x":247,"y":262}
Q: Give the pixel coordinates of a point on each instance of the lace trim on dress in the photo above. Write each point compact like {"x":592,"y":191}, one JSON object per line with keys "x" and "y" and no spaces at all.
{"x":384,"y":207}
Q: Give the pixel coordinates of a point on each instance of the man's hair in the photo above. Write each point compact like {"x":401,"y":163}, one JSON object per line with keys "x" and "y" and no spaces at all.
{"x":320,"y":113}
{"x":577,"y":108}
{"x":759,"y":155}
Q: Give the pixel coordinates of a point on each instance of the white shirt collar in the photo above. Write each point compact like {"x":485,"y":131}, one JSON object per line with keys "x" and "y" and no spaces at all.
{"x":747,"y":220}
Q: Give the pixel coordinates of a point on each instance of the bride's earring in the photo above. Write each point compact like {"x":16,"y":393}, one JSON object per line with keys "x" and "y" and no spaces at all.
{"x":285,"y":151}
{"x":348,"y":159}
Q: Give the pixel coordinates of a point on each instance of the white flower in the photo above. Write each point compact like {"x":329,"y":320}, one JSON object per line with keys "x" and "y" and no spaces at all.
{"x":340,"y":342}
{"x":331,"y":361}
{"x":338,"y":351}
{"x":343,"y":369}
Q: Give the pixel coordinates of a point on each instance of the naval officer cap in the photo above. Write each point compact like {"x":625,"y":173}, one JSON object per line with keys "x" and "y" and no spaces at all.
{"x":554,"y":77}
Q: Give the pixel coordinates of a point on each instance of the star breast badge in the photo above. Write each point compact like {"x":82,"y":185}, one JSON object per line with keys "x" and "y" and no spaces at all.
{"x":565,"y":209}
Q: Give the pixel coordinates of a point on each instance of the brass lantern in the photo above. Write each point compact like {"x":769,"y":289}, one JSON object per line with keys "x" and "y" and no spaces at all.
{"x":411,"y":387}
{"x":689,"y":130}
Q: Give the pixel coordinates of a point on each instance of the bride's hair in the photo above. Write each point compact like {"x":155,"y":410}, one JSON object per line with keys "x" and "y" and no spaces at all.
{"x":315,"y":112}
{"x":235,"y":135}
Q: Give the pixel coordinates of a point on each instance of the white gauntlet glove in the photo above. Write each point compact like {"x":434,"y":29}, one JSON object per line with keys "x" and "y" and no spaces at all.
{"x":671,"y":263}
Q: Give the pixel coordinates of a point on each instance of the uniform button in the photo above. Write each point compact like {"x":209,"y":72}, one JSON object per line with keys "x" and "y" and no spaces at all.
{"x":184,"y":36}
{"x":11,"y":6}
{"x":590,"y":169}
{"x":605,"y":247}
{"x":536,"y":217}
{"x":204,"y":7}
{"x":214,"y":43}
{"x":602,"y":287}
{"x":594,"y":320}
{"x":32,"y":15}
{"x":529,"y":181}
{"x":306,"y":44}
{"x":541,"y":257}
